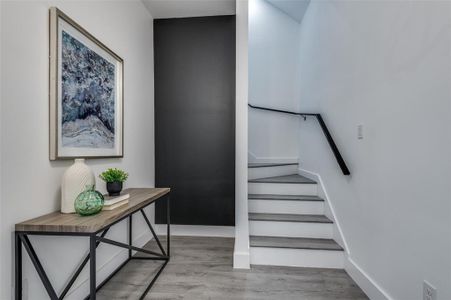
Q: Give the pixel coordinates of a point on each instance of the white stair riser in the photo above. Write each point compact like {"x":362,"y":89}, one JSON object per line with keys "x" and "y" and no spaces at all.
{"x":283,"y":188}
{"x":286,"y":207}
{"x":291,"y":229}
{"x":297,"y":257}
{"x":264,"y":172}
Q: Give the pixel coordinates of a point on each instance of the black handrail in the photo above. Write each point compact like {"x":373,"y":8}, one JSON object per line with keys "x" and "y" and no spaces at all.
{"x":326,"y":132}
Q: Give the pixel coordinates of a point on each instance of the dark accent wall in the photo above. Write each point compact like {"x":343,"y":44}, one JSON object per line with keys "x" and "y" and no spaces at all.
{"x":195,"y":118}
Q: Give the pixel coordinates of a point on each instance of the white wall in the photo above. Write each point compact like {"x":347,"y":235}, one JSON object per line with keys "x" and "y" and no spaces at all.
{"x":30,"y":182}
{"x":241,"y":249}
{"x":386,"y":65}
{"x":1,"y":163}
{"x":273,"y":82}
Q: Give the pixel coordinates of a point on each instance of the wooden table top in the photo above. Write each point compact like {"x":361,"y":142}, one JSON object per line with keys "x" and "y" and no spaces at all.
{"x":74,"y":223}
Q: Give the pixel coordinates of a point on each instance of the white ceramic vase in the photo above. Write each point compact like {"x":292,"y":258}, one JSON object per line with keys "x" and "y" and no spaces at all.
{"x":75,"y":180}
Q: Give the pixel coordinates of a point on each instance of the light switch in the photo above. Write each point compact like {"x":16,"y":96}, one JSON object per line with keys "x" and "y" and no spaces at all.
{"x":429,"y":292}
{"x":360,"y":132}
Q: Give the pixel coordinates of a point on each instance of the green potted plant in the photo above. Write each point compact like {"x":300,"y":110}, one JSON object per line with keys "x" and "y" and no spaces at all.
{"x":114,"y":179}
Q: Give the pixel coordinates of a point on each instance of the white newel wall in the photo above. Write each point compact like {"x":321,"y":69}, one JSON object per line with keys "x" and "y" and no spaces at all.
{"x":30,"y":183}
{"x":273,"y":82}
{"x":386,"y":65}
{"x":241,"y":250}
{"x":2,"y":267}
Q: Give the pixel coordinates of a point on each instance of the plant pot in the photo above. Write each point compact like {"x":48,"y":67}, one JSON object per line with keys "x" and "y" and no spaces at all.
{"x":114,"y":188}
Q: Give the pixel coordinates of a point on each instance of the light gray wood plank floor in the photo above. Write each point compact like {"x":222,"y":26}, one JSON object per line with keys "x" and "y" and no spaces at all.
{"x":201,"y":268}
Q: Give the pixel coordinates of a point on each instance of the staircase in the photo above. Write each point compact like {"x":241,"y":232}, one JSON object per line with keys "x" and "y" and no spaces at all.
{"x":287,"y":225}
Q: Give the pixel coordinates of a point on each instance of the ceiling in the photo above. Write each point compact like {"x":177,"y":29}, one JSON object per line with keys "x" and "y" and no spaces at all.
{"x":161,"y":9}
{"x":294,"y":8}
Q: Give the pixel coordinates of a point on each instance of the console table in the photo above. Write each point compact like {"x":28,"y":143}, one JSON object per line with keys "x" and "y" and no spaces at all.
{"x":95,"y":228}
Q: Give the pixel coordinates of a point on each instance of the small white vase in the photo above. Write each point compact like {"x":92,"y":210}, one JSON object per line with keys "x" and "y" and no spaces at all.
{"x":75,"y":180}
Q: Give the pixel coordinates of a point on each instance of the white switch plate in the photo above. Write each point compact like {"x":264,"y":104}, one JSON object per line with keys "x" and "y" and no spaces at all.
{"x":429,"y":292}
{"x":360,"y":131}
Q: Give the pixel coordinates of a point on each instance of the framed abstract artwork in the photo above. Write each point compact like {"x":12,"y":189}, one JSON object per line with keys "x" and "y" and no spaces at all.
{"x":86,"y":93}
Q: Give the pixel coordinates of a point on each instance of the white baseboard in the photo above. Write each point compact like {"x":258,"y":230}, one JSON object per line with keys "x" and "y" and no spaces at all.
{"x":241,"y":260}
{"x":322,"y":192}
{"x":365,"y":282}
{"x":81,"y":290}
{"x":197,"y":230}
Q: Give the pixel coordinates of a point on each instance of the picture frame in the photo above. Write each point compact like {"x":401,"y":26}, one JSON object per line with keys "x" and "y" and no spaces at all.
{"x":86,"y":93}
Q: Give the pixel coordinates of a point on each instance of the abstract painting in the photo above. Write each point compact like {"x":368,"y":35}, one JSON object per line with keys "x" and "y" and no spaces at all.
{"x":86,"y":103}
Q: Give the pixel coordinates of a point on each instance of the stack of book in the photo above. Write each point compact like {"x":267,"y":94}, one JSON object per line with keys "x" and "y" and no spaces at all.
{"x":112,"y":202}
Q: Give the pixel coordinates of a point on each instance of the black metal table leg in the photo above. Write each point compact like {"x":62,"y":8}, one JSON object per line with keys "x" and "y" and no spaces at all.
{"x":92,"y":267}
{"x":18,"y":267}
{"x":130,"y":235}
{"x":168,"y":221}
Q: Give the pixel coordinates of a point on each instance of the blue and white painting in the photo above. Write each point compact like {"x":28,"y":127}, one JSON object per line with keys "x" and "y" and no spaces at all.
{"x":87,"y":97}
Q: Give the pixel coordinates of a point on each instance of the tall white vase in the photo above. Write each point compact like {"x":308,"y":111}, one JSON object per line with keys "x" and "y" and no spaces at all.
{"x":75,"y":180}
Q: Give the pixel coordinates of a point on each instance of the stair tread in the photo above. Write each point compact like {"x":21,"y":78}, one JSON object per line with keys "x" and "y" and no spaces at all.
{"x":263,"y":165}
{"x":289,"y":218}
{"x":293,"y":178}
{"x":294,"y":243}
{"x":285,"y":197}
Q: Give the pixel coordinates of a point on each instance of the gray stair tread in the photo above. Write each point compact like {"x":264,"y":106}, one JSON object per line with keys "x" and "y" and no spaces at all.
{"x":294,"y":243}
{"x":285,"y":197}
{"x":289,"y":218}
{"x":294,"y":178}
{"x":263,"y":165}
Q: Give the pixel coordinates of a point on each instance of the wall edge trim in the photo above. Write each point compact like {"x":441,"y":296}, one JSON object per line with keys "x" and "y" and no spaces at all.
{"x":364,"y":281}
{"x":317,"y":177}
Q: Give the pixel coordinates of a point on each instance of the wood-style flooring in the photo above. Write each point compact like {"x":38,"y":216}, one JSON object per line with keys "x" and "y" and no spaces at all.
{"x":201,"y":268}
